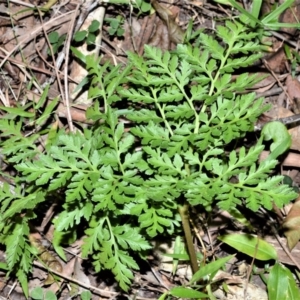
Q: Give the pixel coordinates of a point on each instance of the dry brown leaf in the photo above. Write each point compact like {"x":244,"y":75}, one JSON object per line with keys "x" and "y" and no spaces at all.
{"x":282,"y":255}
{"x":293,"y":87}
{"x":175,"y":32}
{"x":160,"y":38}
{"x":293,"y":90}
{"x":46,"y":257}
{"x":266,"y":82}
{"x":291,"y":225}
{"x":277,"y":61}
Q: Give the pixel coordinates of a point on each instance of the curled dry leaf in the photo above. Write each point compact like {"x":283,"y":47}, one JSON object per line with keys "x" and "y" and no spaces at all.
{"x":277,"y":60}
{"x":175,"y":32}
{"x":291,"y":225}
{"x":293,"y":87}
{"x":47,"y":258}
{"x":293,"y":90}
{"x":160,"y":38}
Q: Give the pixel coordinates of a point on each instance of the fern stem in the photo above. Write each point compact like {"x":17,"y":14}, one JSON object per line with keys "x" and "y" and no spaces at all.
{"x":181,"y":88}
{"x":223,"y":62}
{"x":184,"y":214}
{"x":161,"y":110}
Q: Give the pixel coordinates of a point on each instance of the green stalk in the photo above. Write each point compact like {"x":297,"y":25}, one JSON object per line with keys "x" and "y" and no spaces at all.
{"x":184,"y":214}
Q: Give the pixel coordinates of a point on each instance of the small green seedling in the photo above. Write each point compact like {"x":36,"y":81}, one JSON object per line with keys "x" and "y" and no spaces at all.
{"x":56,"y":41}
{"x":40,"y":294}
{"x":89,"y":35}
{"x":115,"y":26}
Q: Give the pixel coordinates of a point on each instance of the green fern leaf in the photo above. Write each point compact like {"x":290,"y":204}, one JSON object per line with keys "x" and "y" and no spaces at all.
{"x":143,"y":115}
{"x":129,"y":238}
{"x":214,"y":47}
{"x":181,"y":111}
{"x":17,"y":248}
{"x":155,"y":221}
{"x":139,"y":95}
{"x":23,"y":279}
{"x":120,"y":268}
{"x":95,"y":237}
{"x":68,"y":218}
{"x":232,"y":64}
{"x":152,"y":134}
{"x":21,"y":203}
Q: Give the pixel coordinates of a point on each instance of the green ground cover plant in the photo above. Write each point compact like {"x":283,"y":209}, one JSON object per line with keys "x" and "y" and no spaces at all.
{"x":127,"y":182}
